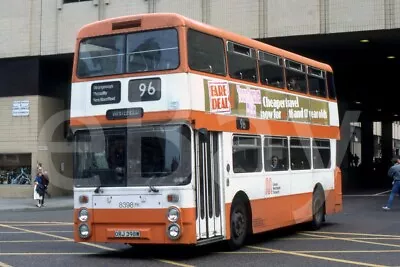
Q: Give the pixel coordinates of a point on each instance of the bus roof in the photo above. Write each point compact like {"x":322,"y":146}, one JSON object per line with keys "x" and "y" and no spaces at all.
{"x":149,"y":21}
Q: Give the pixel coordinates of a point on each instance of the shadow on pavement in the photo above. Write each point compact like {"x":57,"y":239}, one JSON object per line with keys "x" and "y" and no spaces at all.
{"x":180,"y":253}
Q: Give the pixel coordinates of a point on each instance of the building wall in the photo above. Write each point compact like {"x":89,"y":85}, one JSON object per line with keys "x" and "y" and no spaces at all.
{"x":291,"y":17}
{"x":40,"y":134}
{"x":356,"y":15}
{"x":47,"y":27}
{"x":53,"y":149}
{"x":18,"y":136}
{"x":20,"y":28}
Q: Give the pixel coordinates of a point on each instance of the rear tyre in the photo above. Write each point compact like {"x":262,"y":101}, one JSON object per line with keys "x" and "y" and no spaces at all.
{"x":318,"y":208}
{"x":239,"y":225}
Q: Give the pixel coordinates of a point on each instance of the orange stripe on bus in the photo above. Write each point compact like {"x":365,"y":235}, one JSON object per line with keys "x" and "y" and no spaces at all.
{"x":215,"y":122}
{"x":274,"y":213}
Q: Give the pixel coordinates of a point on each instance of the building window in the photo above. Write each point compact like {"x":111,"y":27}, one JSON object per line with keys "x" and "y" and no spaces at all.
{"x":246,"y":154}
{"x":15,"y":169}
{"x":276,"y":154}
{"x":74,"y":1}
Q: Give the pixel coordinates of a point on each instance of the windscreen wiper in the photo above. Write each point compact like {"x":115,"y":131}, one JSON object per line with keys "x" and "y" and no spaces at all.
{"x":97,"y":190}
{"x":152,"y":188}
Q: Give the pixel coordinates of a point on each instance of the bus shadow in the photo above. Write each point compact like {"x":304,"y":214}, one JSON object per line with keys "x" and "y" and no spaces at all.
{"x":178,"y":252}
{"x":286,"y":232}
{"x":168,"y":252}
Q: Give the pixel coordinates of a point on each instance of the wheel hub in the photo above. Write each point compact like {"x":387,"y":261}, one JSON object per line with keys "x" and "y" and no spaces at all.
{"x":238,"y":224}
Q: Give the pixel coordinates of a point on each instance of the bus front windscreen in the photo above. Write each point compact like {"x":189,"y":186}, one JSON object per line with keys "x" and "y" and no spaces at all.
{"x":141,"y":156}
{"x":128,"y":53}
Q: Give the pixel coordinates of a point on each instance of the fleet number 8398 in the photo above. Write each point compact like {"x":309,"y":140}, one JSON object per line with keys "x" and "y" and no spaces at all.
{"x":128,"y":205}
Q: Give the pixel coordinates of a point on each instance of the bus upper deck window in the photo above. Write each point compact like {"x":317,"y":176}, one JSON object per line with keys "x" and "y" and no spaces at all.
{"x":295,"y":76}
{"x":101,"y":56}
{"x":331,"y":85}
{"x":242,"y":62}
{"x":316,"y":82}
{"x":206,"y":53}
{"x":152,"y":50}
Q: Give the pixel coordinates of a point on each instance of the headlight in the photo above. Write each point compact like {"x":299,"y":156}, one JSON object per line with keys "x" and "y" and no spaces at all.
{"x":84,"y":231}
{"x":174,"y":231}
{"x":173,"y":214}
{"x":83,"y":215}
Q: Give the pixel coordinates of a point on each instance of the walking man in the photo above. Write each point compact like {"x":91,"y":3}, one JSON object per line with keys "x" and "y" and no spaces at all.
{"x":394,"y":173}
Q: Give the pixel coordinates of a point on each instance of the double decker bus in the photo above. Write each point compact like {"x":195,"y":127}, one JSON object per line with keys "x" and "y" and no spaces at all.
{"x":189,"y":134}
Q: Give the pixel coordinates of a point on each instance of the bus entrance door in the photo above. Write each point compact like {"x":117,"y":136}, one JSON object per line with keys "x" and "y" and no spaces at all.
{"x":208,"y":186}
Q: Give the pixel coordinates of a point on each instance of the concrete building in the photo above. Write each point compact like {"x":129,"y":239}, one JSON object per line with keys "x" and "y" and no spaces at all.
{"x":37,"y":41}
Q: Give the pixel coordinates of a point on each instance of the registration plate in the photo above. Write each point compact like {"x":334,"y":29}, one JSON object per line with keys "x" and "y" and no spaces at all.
{"x":127,"y":234}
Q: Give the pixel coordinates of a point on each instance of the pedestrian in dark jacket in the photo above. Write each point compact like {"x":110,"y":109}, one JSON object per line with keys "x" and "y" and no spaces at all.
{"x":38,"y":191}
{"x":46,"y":181}
{"x":394,"y":173}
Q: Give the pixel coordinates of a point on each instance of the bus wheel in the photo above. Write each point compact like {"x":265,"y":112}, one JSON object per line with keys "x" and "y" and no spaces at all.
{"x":318,"y":209}
{"x":239,"y":225}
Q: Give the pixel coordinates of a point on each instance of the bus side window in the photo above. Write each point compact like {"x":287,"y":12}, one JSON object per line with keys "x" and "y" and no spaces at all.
{"x":295,"y":77}
{"x":300,"y":153}
{"x":316,"y":82}
{"x":242,"y":62}
{"x":331,"y":85}
{"x":206,"y":53}
{"x":271,"y":70}
{"x":321,"y":154}
{"x":246,"y":156}
{"x":276,"y":154}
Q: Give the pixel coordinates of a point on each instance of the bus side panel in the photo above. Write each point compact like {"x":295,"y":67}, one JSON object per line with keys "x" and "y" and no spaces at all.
{"x":302,"y":207}
{"x":270,"y":208}
{"x":334,"y":202}
{"x":303,"y":182}
{"x":338,"y":191}
{"x":271,"y":213}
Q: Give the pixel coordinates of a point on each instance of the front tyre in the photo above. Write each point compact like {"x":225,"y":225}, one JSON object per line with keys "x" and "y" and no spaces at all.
{"x":239,"y":223}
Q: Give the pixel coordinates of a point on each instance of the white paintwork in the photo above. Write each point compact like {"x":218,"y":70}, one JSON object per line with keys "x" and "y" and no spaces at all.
{"x":133,"y":201}
{"x":334,"y":114}
{"x":174,"y":91}
{"x":149,"y":200}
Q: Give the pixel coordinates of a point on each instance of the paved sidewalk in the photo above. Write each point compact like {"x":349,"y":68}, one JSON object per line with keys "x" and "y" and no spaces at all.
{"x":20,"y":204}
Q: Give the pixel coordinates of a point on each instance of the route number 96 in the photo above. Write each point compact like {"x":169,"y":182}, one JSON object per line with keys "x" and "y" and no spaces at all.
{"x":144,"y":90}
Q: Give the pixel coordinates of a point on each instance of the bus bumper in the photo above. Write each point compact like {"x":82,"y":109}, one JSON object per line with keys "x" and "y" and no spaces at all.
{"x":135,"y":226}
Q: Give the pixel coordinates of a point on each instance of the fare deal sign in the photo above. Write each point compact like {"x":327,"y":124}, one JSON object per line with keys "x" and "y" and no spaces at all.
{"x":242,"y":100}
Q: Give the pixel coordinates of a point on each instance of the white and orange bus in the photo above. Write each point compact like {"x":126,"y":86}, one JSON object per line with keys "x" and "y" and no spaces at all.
{"x":190,"y":134}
